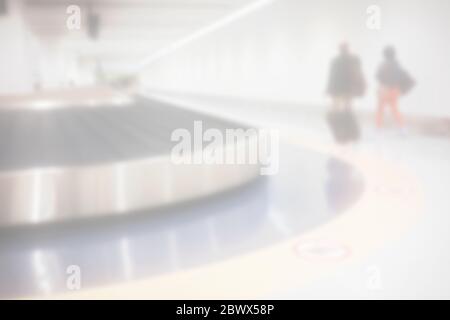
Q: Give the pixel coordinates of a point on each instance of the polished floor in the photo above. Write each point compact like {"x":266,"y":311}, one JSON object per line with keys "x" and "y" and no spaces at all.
{"x":413,"y":263}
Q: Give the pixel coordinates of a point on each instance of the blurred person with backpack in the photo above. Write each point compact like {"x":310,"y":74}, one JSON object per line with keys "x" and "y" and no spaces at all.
{"x":394,"y":82}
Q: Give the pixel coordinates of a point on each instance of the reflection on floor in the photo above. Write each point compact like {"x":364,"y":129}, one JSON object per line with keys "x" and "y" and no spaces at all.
{"x":34,"y":262}
{"x":416,"y":264}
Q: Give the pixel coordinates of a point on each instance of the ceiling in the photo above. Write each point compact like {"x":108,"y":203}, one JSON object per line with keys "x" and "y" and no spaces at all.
{"x":129,"y":30}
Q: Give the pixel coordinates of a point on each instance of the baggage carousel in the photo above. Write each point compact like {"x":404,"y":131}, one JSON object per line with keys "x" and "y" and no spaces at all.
{"x":80,"y":155}
{"x":310,"y":190}
{"x":212,"y":232}
{"x":91,"y":183}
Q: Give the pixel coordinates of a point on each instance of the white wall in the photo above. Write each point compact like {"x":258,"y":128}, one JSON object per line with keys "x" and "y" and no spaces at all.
{"x":282,"y":52}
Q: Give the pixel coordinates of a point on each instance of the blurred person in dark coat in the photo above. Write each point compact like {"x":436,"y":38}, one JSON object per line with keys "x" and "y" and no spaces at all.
{"x":394,"y":81}
{"x":346,"y":80}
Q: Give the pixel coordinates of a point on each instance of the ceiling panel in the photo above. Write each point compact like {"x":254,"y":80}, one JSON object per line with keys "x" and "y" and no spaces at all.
{"x":127,"y":28}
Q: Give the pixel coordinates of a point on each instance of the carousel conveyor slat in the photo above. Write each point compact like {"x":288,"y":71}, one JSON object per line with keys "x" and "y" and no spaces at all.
{"x":88,"y":136}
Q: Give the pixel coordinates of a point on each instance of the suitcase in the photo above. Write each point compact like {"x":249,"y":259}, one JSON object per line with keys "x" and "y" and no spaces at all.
{"x":343,"y":125}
